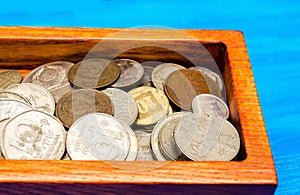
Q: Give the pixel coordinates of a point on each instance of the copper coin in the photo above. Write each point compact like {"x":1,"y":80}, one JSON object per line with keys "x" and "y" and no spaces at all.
{"x":9,"y":77}
{"x":183,"y":85}
{"x":77,"y":103}
{"x":94,"y":73}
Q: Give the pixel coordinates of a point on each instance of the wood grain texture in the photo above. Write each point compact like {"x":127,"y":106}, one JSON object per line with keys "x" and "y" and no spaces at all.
{"x":25,"y":48}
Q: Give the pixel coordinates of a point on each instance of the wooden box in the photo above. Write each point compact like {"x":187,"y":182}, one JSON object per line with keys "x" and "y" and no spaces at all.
{"x":252,"y":172}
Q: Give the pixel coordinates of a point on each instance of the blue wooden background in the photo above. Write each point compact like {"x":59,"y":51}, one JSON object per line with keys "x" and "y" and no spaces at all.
{"x":271,"y":30}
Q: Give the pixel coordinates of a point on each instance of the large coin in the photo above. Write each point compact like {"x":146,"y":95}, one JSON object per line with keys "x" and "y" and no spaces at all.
{"x":206,"y":137}
{"x":53,"y":76}
{"x":77,"y":103}
{"x":34,"y":135}
{"x":161,"y":72}
{"x":13,"y":96}
{"x":131,"y":73}
{"x":210,"y":104}
{"x":125,"y":107}
{"x":94,"y":73}
{"x":8,"y":78}
{"x":39,"y":97}
{"x":144,"y":149}
{"x":152,"y":103}
{"x":183,"y":85}
{"x":98,"y":136}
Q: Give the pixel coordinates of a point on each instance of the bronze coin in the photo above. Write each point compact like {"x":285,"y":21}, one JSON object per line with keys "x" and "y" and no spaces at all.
{"x":9,"y":77}
{"x":183,"y":85}
{"x":77,"y":103}
{"x":94,"y":73}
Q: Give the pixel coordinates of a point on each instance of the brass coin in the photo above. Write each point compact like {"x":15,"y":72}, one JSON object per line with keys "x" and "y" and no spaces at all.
{"x":9,"y":77}
{"x":94,"y":73}
{"x":77,"y":103}
{"x":183,"y":85}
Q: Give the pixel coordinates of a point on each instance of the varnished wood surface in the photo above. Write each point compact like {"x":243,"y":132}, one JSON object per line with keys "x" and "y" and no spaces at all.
{"x":24,"y":48}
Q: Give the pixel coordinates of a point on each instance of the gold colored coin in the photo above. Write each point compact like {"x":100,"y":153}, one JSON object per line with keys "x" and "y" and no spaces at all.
{"x":94,"y":73}
{"x":183,"y":85}
{"x":75,"y":104}
{"x":152,"y":103}
{"x":9,"y":77}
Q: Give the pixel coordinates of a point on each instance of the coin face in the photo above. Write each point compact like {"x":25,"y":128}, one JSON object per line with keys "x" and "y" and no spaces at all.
{"x":152,"y":103}
{"x":125,"y":107}
{"x":77,"y":103}
{"x":93,"y":73}
{"x":97,"y":136}
{"x":144,"y":149}
{"x":210,"y":104}
{"x":161,"y":72}
{"x":201,"y":136}
{"x":10,"y":108}
{"x":53,"y":76}
{"x":13,"y":96}
{"x":8,"y":78}
{"x":39,"y":97}
{"x":34,"y":135}
{"x":183,"y":85}
{"x":131,"y":73}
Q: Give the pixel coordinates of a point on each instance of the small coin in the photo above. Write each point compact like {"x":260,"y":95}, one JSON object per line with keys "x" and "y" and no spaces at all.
{"x":144,"y":149}
{"x":53,"y":76}
{"x":39,"y":97}
{"x":201,"y":136}
{"x":77,"y":103}
{"x":152,"y":103}
{"x":8,"y":78}
{"x":131,"y":73}
{"x":183,"y":85}
{"x":94,"y":73}
{"x":146,"y":80}
{"x":34,"y":135}
{"x":161,"y":72}
{"x":125,"y":107}
{"x":210,"y":104}
{"x":13,"y":96}
{"x":98,"y":136}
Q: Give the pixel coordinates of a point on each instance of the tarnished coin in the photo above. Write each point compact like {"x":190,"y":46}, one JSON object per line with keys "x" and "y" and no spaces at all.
{"x":161,"y":72}
{"x":183,"y":85}
{"x":131,"y":73}
{"x":13,"y":96}
{"x":34,"y":135}
{"x":146,"y":80}
{"x":8,"y":78}
{"x":144,"y":149}
{"x":93,"y":73}
{"x":39,"y":97}
{"x":201,"y":136}
{"x":98,"y":136}
{"x":210,"y":104}
{"x":125,"y":107}
{"x":152,"y":103}
{"x":53,"y":76}
{"x":77,"y":103}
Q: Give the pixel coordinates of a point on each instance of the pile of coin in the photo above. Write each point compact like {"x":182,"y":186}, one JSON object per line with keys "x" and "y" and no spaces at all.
{"x":100,"y":109}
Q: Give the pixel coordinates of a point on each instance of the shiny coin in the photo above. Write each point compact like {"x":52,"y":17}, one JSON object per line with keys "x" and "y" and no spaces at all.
{"x":53,"y":76}
{"x":161,"y":72}
{"x":131,"y":73}
{"x":144,"y":149}
{"x":183,"y":85}
{"x":210,"y":104}
{"x":152,"y":103}
{"x":125,"y":107}
{"x":93,"y":73}
{"x":39,"y":97}
{"x":75,"y":104}
{"x":146,"y":80}
{"x":34,"y":135}
{"x":207,"y":137}
{"x":98,"y":136}
{"x":13,"y":96}
{"x":8,"y":78}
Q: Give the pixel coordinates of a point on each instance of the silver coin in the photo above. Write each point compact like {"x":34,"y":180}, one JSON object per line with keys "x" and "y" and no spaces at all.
{"x":34,"y":135}
{"x":161,"y":72}
{"x":10,"y":108}
{"x":201,"y":136}
{"x":39,"y":97}
{"x":13,"y":96}
{"x":53,"y":76}
{"x":131,"y":73}
{"x":2,"y":125}
{"x":98,"y":136}
{"x":144,"y":149}
{"x":210,"y":104}
{"x":146,"y":80}
{"x":125,"y":107}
